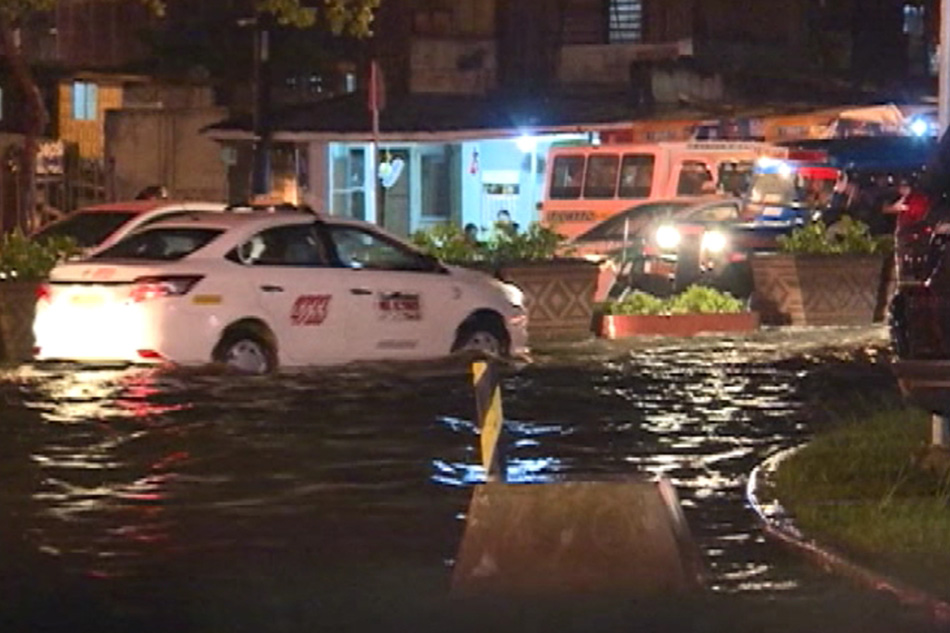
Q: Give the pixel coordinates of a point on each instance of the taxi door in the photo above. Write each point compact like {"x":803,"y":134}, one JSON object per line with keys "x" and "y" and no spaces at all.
{"x":300,"y":293}
{"x":401,"y":305}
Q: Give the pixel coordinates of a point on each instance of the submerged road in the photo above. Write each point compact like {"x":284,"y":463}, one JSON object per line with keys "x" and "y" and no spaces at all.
{"x":335,"y":499}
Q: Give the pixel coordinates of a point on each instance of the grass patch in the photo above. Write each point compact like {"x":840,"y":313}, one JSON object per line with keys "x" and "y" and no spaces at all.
{"x":871,"y":488}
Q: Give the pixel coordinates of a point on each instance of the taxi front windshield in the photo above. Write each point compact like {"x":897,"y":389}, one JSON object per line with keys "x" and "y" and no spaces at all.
{"x":162,"y":244}
{"x":790,"y":190}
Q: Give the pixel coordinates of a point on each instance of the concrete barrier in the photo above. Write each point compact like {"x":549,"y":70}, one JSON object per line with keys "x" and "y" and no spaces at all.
{"x":599,"y":538}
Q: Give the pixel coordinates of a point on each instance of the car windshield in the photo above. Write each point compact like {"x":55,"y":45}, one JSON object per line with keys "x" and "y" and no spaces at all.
{"x":87,"y":228}
{"x":635,"y":218}
{"x":163,"y":244}
{"x":802,"y":190}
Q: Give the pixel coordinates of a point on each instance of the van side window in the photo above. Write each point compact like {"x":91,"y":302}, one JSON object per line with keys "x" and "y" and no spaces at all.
{"x":695,"y":179}
{"x":601,"y":178}
{"x":636,"y":175}
{"x":566,"y":175}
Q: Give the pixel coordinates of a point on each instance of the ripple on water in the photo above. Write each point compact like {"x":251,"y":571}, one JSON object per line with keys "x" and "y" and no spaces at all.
{"x":120,"y":471}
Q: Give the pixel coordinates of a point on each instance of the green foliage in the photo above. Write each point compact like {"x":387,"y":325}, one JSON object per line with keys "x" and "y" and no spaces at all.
{"x":848,"y":236}
{"x":25,"y":259}
{"x":503,"y":245}
{"x":875,"y":487}
{"x":693,"y":300}
{"x":352,"y":17}
{"x":449,"y":243}
{"x":535,"y":244}
{"x":637,"y":302}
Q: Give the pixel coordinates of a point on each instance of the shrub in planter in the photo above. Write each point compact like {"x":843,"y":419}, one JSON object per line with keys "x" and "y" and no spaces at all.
{"x":696,"y":309}
{"x":559,"y":289}
{"x":24,"y":264}
{"x":823,"y":276}
{"x":503,"y":245}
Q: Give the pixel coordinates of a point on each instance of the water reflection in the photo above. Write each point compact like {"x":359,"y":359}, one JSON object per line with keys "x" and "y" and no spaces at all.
{"x":200,"y":475}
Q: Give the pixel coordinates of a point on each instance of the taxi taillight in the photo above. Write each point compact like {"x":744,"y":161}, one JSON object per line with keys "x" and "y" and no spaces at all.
{"x":44,"y":292}
{"x":148,"y":288}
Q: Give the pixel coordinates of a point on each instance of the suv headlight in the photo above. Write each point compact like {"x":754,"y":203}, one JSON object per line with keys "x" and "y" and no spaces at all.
{"x":667,"y":237}
{"x":714,"y":242}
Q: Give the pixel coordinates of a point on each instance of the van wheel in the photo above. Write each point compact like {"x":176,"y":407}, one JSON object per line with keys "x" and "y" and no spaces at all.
{"x":246,"y":352}
{"x":483,"y":335}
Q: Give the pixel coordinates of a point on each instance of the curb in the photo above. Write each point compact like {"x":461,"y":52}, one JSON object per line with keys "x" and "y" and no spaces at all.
{"x":778,"y":525}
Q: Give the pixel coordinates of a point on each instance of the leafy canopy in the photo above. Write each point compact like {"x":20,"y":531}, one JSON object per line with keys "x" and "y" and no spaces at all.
{"x":342,"y":16}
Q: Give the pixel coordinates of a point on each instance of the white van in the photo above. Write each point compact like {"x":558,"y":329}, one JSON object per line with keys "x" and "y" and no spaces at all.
{"x":586,"y":184}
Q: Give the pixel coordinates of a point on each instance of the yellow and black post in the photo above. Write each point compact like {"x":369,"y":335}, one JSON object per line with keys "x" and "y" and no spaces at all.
{"x":490,"y":418}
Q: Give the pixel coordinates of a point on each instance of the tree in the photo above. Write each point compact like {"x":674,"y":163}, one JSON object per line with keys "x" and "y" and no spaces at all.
{"x":353,"y":17}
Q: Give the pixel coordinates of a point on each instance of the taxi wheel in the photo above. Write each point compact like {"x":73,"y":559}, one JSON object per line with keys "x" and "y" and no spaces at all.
{"x":246,"y":352}
{"x":483,"y":335}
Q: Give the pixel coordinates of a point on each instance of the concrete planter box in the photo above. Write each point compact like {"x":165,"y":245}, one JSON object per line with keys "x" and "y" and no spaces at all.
{"x":17,"y":309}
{"x":614,"y":326}
{"x":819,"y":289}
{"x":559,"y":295}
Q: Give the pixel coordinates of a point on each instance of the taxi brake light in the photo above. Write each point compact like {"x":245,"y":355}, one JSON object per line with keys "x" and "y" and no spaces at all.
{"x":147,"y":288}
{"x":43,"y":292}
{"x":149,"y":354}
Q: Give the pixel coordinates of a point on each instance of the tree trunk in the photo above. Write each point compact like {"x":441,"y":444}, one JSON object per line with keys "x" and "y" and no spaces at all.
{"x":34,"y":124}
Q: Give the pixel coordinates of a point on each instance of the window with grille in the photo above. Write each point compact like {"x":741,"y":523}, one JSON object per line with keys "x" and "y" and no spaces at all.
{"x":625,"y":21}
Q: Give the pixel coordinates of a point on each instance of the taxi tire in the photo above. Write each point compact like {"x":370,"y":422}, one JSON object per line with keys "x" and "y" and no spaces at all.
{"x":489,"y":324}
{"x":232,"y":339}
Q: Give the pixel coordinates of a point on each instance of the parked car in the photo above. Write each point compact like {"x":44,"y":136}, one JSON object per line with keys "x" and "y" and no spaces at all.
{"x":708,"y":246}
{"x":102,"y":225}
{"x":257,"y":291}
{"x":919,"y":313}
{"x":626,"y":229}
{"x":618,"y":242}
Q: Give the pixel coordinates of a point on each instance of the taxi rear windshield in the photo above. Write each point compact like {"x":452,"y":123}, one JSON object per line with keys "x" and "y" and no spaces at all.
{"x":164,"y":244}
{"x":87,"y":229}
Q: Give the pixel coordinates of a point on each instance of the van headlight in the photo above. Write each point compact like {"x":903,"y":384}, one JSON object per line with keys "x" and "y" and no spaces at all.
{"x":667,"y":237}
{"x":714,"y":242}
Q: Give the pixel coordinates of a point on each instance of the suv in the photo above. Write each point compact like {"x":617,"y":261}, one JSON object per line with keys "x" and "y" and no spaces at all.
{"x":919,"y":314}
{"x":97,"y":227}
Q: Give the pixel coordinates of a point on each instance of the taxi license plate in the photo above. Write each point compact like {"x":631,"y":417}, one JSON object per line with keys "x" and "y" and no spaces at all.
{"x":772,"y":212}
{"x":86,"y":300}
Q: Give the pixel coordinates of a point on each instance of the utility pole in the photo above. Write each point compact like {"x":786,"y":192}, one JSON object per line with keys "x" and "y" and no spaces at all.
{"x":260,"y":180}
{"x":943,"y":89}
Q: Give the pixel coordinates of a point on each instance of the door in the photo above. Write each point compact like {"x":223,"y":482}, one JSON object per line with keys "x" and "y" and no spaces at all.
{"x":401,"y":304}
{"x":300,"y":293}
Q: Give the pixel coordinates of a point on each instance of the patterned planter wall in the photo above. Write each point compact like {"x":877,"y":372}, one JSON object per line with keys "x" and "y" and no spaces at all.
{"x":17,"y":309}
{"x":559,"y":295}
{"x":818,"y":289}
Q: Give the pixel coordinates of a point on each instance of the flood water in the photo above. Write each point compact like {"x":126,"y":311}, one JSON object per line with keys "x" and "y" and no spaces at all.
{"x":335,"y":499}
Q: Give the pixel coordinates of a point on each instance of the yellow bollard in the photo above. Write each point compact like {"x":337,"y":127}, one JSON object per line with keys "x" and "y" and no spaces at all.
{"x":490,"y":418}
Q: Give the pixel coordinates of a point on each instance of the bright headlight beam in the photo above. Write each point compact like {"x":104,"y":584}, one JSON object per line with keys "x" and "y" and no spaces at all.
{"x":714,"y":242}
{"x":667,"y":237}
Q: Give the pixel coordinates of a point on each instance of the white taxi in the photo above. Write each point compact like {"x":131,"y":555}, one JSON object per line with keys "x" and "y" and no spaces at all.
{"x":257,"y":291}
